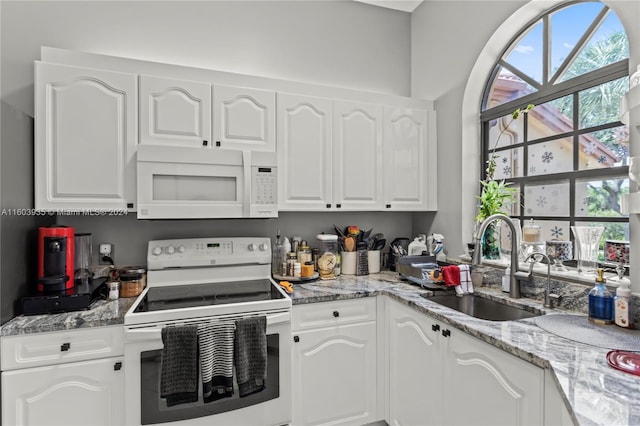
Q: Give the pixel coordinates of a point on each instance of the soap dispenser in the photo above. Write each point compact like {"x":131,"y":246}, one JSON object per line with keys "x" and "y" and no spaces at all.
{"x":600,"y":301}
{"x":623,"y":306}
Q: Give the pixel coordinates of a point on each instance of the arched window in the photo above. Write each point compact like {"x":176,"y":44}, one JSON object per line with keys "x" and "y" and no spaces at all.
{"x":568,"y":156}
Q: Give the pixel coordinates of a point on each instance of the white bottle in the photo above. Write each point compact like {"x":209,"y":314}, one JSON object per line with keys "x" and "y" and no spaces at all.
{"x":506,"y":280}
{"x":417,"y":247}
{"x":622,"y":304}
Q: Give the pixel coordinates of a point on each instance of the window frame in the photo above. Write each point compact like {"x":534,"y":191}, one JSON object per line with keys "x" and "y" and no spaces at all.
{"x":549,"y":90}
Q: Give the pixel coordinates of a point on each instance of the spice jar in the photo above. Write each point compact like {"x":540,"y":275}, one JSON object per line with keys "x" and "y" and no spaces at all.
{"x":133,"y":279}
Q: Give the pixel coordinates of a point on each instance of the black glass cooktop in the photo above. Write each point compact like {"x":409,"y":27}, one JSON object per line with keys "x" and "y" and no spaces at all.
{"x":192,"y":295}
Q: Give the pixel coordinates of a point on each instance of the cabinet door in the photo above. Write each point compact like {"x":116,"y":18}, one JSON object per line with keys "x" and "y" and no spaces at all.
{"x":85,"y":138}
{"x":304,"y":152}
{"x":415,"y":368}
{"x":334,"y":375}
{"x":495,"y":387}
{"x":405,"y":159}
{"x":78,"y":393}
{"x":174,"y":112}
{"x":357,"y":157}
{"x":244,"y":118}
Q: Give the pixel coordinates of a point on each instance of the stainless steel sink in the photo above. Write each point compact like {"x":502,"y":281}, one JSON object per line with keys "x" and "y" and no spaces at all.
{"x":480,"y":307}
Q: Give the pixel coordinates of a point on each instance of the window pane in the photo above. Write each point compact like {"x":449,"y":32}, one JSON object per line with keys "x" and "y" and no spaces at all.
{"x":526,"y":54}
{"x":506,"y":131}
{"x":608,"y":45}
{"x":508,"y":164}
{"x":547,"y":199}
{"x":551,"y":118}
{"x":567,"y":26}
{"x":601,"y":104}
{"x":506,"y":87}
{"x":550,"y":157}
{"x":600,"y":197}
{"x":606,"y":148}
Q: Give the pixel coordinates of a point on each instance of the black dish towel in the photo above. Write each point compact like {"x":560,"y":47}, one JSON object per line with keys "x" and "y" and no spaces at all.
{"x":179,"y":368}
{"x":250,"y":354}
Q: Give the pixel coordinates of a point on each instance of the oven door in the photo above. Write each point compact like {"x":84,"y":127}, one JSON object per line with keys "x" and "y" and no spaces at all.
{"x":143,"y":405}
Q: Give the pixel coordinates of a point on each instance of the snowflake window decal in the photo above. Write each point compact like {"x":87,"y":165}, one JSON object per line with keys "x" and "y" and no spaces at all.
{"x":541,"y":201}
{"x":590,"y":148}
{"x":556,"y":232}
{"x":547,"y":157}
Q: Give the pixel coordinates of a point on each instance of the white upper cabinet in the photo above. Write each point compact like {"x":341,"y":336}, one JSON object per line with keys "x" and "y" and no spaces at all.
{"x":406,"y":171}
{"x":175,"y":112}
{"x":244,"y":118}
{"x":304,"y":152}
{"x":357,"y":156}
{"x":85,"y":138}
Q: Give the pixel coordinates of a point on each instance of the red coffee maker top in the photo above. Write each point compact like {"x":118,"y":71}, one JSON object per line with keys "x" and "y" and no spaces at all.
{"x":55,"y":258}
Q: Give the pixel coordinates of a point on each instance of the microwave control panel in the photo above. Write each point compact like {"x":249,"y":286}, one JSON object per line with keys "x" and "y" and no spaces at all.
{"x":265,"y":186}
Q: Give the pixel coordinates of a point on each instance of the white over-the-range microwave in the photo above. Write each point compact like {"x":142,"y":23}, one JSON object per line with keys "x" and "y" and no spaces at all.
{"x":188,"y":183}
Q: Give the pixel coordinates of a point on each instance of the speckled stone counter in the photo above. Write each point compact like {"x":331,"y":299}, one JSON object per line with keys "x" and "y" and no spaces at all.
{"x":101,"y":313}
{"x":594,"y":392}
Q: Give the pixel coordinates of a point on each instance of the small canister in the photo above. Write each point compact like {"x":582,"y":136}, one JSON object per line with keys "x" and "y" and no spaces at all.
{"x":133,"y":279}
{"x":114,"y":289}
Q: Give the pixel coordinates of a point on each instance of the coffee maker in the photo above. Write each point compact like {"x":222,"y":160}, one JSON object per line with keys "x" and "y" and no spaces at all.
{"x":55,"y":259}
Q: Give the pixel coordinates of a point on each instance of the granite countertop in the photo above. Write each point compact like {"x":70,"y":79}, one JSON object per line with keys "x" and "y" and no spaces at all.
{"x":100,"y":313}
{"x":594,"y":392}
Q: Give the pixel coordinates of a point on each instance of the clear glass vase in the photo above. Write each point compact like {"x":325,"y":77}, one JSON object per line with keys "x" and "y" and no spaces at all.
{"x":587,"y":247}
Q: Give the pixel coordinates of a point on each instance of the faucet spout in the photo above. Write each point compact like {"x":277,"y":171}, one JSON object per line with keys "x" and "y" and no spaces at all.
{"x":514,"y":287}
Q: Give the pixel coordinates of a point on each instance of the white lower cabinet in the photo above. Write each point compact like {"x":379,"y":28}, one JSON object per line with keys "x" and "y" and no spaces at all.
{"x":335,"y":364}
{"x":78,"y":393}
{"x":63,"y":378}
{"x":439,"y":375}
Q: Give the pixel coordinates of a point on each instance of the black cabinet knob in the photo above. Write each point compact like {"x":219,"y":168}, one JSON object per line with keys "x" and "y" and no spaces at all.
{"x":338,"y":206}
{"x":388,"y":206}
{"x":117,"y":366}
{"x":435,"y":327}
{"x":205,"y":143}
{"x":65,"y":347}
{"x":218,"y":143}
{"x":328,"y":206}
{"x":446,"y":333}
{"x":336,"y":314}
{"x":296,"y":339}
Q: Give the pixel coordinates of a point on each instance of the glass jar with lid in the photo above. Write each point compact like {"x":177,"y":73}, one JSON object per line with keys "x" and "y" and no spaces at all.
{"x":328,"y":256}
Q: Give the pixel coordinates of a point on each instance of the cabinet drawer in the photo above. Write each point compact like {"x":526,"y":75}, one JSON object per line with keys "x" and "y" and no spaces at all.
{"x":61,"y":346}
{"x":327,"y":314}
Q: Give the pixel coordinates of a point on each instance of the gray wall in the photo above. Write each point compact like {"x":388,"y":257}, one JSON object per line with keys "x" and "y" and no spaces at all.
{"x":338,"y":43}
{"x":442,"y":58}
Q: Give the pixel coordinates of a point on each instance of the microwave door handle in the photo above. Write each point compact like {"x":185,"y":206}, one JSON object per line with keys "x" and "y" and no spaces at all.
{"x":246,"y":167}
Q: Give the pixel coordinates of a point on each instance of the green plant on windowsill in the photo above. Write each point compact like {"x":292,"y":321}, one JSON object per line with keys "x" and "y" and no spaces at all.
{"x":496,"y":196}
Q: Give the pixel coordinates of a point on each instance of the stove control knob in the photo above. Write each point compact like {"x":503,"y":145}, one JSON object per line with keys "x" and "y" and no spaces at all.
{"x":156,"y":251}
{"x":263,"y":247}
{"x":181,"y":249}
{"x":170,"y":250}
{"x":252,"y":247}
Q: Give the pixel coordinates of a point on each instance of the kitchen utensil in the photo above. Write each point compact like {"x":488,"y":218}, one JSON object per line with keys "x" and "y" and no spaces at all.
{"x":349,"y":243}
{"x":379,"y":244}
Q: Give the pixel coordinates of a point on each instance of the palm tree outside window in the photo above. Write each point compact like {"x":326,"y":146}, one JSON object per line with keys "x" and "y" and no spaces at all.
{"x":568,"y":157}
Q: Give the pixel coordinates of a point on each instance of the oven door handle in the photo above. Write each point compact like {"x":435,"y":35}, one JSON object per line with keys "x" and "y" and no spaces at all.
{"x":137,"y":335}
